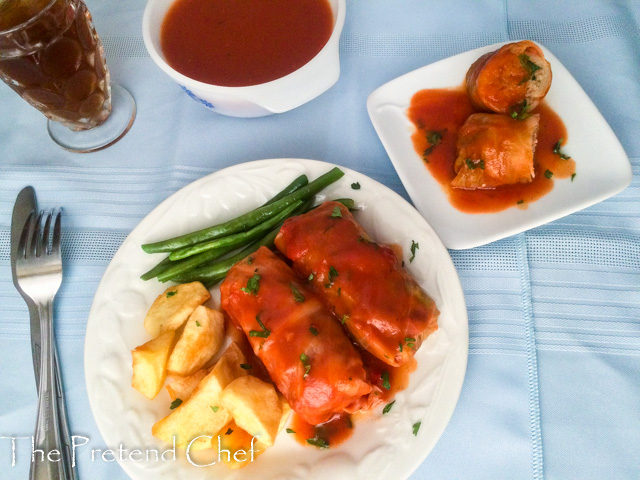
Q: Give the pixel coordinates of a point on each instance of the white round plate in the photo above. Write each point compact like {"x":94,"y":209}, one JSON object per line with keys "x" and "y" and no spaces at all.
{"x":382,"y":446}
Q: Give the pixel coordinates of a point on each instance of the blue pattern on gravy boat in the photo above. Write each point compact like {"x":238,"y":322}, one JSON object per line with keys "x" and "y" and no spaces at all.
{"x":196,"y":98}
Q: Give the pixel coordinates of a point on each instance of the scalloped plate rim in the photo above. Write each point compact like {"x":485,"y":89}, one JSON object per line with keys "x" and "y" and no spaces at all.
{"x":456,"y":357}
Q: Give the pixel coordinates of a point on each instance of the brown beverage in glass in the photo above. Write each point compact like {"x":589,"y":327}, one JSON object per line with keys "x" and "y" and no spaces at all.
{"x":52,"y":57}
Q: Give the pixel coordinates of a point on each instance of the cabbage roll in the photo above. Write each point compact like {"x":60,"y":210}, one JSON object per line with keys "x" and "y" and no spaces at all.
{"x":513,"y":80}
{"x":305,"y":351}
{"x":494,"y":150}
{"x":363,"y":283}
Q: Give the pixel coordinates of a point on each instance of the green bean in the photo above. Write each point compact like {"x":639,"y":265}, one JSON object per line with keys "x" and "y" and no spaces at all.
{"x":155,"y":271}
{"x":297,"y":184}
{"x":187,"y":263}
{"x":209,"y":255}
{"x":236,"y":239}
{"x":213,"y":273}
{"x":247,"y":220}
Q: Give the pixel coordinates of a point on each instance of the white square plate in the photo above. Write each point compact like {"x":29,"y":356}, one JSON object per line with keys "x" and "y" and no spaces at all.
{"x":602,"y":167}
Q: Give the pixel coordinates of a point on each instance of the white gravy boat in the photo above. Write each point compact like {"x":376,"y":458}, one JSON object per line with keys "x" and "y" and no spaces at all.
{"x":277,"y":96}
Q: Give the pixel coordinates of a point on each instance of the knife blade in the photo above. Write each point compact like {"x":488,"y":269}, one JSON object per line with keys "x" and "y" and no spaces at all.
{"x":26,"y":204}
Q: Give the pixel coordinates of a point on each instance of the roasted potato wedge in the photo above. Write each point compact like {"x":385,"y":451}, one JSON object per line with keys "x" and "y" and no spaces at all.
{"x":238,"y":441}
{"x":202,"y":414}
{"x":173,"y":307}
{"x":183,"y":387}
{"x":150,"y":364}
{"x":255,"y":406}
{"x":201,"y":339}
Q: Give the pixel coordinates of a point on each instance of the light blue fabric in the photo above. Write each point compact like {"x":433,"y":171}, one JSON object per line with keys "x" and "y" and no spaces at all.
{"x":552,"y":388}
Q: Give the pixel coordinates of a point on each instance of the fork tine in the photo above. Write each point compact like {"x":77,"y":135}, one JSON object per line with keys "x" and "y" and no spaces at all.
{"x":57,"y":234}
{"x":46,"y":233}
{"x":35,"y":248}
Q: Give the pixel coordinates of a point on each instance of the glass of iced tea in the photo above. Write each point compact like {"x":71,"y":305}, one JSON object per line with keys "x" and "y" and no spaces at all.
{"x":52,"y":57}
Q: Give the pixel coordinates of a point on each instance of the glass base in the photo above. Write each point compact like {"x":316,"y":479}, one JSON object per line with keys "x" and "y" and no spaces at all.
{"x":123,"y":113}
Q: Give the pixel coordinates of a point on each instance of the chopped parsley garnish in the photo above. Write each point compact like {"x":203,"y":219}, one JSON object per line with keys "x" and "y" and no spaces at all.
{"x":520,"y":202}
{"x":314,"y":331}
{"x":524,"y":111}
{"x":387,"y":408}
{"x":416,"y":427}
{"x":414,"y":246}
{"x":400,"y":346}
{"x":245,"y":366}
{"x":433,"y":138}
{"x":310,"y":277}
{"x":175,"y":404}
{"x":215,"y":409}
{"x":172,"y":293}
{"x":556,"y":150}
{"x":337,"y":213}
{"x":548,"y":173}
{"x":473,"y":165}
{"x":264,"y":333}
{"x":253,"y":285}
{"x":344,"y":319}
{"x":573,"y":175}
{"x":355,"y":186}
{"x":290,"y":430}
{"x":304,"y":358}
{"x":249,"y":260}
{"x":197,"y":324}
{"x":333,"y":273}
{"x":318,"y":442}
{"x":529,"y":66}
{"x":410,"y":342}
{"x":385,"y":380}
{"x":228,"y":432}
{"x":297,"y":296}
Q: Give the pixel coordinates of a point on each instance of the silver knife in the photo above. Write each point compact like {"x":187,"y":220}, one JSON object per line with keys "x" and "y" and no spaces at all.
{"x":26,"y":203}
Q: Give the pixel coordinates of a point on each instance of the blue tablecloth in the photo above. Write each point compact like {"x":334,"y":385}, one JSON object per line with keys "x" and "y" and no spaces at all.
{"x":552,"y":388}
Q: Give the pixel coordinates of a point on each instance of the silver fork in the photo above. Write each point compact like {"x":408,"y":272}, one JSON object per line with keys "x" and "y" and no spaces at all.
{"x":39,"y":274}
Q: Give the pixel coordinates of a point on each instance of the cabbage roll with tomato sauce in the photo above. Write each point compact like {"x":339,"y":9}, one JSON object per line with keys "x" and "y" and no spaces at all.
{"x":495,"y":150}
{"x":513,"y":80}
{"x":363,"y":283}
{"x":306,"y":352}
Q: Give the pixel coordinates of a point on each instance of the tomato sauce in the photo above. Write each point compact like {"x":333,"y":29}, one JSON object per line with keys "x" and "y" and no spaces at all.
{"x":243,"y":42}
{"x":386,"y":381}
{"x":326,"y":435}
{"x":444,"y":111}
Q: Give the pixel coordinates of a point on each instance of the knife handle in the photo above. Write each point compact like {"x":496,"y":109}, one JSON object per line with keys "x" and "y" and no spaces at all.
{"x":47,"y":439}
{"x":65,"y":436}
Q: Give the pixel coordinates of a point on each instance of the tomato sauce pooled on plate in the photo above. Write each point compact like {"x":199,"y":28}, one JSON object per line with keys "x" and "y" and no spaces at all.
{"x":243,"y":42}
{"x":386,"y":381}
{"x":438,"y":115}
